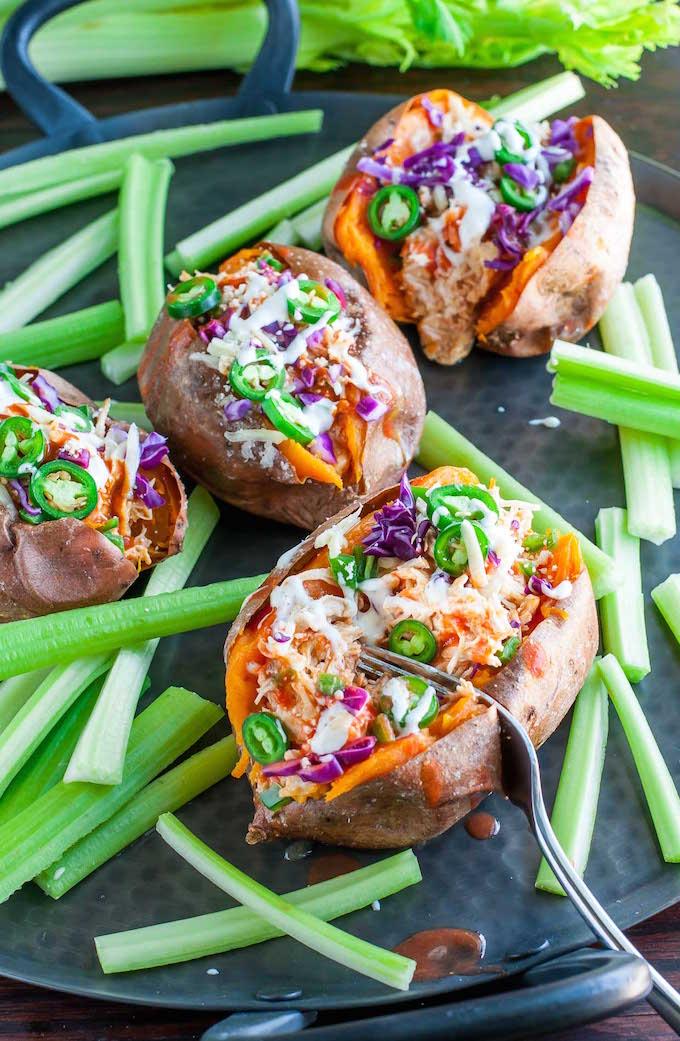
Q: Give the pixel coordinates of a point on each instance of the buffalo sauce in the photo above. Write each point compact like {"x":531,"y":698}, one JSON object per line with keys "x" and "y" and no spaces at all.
{"x":535,"y":658}
{"x":443,"y":952}
{"x":482,"y":825}
{"x":432,"y":781}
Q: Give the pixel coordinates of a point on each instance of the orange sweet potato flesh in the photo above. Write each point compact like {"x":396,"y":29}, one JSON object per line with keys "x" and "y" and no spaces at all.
{"x":568,"y":558}
{"x":308,"y":466}
{"x":385,"y":759}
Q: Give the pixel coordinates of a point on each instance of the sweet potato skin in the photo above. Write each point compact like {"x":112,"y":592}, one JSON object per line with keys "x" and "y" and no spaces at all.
{"x":179,"y":395}
{"x":64,"y":563}
{"x":438,"y":787}
{"x":569,"y":293}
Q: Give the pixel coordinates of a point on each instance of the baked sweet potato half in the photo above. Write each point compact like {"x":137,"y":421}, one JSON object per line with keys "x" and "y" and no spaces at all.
{"x":86,"y":503}
{"x":444,"y":571}
{"x":476,"y":229}
{"x":282,"y":386}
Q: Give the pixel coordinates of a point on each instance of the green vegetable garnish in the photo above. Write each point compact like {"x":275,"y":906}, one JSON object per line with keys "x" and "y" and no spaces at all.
{"x":22,"y":444}
{"x":64,"y":489}
{"x":394,"y":212}
{"x":264,"y":737}
{"x":414,"y":640}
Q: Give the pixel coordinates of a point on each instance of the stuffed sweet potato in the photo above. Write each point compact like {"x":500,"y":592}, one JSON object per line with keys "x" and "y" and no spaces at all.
{"x":86,"y":503}
{"x":445,"y":571}
{"x":508,"y":234}
{"x":284,"y":389}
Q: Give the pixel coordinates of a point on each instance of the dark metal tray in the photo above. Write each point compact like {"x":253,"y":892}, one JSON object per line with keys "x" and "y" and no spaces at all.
{"x":488,"y":886}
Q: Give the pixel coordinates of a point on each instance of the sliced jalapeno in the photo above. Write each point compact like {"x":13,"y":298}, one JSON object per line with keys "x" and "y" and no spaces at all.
{"x":510,"y":648}
{"x":329,"y":684}
{"x":81,"y":413}
{"x":504,"y":155}
{"x":63,"y":489}
{"x":271,"y":798}
{"x":313,"y":302}
{"x":267,"y":258}
{"x":192,"y":298}
{"x":535,"y":541}
{"x":23,"y":390}
{"x":264,"y":737}
{"x":454,"y":503}
{"x":382,"y":729}
{"x":22,"y":445}
{"x":109,"y":532}
{"x":256,"y":378}
{"x":394,"y":212}
{"x":413,"y":639}
{"x":284,"y":413}
{"x":350,"y":569}
{"x":449,"y":550}
{"x":515,"y":195}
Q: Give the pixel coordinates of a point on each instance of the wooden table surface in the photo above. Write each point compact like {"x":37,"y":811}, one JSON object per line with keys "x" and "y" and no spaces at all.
{"x":646,"y":114}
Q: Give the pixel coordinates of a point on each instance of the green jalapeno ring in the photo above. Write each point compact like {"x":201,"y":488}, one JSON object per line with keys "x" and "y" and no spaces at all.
{"x":510,"y":648}
{"x":243,"y":386}
{"x":308,"y":311}
{"x":449,"y":551}
{"x":523,"y":133}
{"x":504,"y":156}
{"x":81,"y":413}
{"x":329,"y":684}
{"x":394,"y":212}
{"x":31,"y":518}
{"x":193,"y":298}
{"x":271,"y":798}
{"x":516,"y":196}
{"x":413,"y":639}
{"x":42,"y":481}
{"x":535,"y":541}
{"x":563,"y":171}
{"x":22,"y":389}
{"x":21,"y":443}
{"x":264,"y":737}
{"x":281,"y":410}
{"x":439,"y":499}
{"x":108,"y":530}
{"x":271,"y":261}
{"x":431,"y":714}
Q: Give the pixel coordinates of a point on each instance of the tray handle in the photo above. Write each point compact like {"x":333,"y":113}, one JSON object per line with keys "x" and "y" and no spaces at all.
{"x":47,"y":106}
{"x":271,"y":74}
{"x":569,"y":991}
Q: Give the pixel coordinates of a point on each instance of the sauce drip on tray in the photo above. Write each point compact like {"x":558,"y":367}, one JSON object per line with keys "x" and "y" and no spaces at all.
{"x":444,"y":952}
{"x":482,"y":825}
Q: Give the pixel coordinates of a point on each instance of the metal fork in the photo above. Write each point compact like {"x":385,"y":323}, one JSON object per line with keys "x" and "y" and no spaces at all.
{"x":521,"y":779}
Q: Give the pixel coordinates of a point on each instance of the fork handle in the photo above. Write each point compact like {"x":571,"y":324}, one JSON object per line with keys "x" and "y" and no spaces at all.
{"x":663,"y":997}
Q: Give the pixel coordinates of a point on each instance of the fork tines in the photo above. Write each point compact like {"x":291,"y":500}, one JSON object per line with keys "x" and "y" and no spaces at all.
{"x":377,"y":662}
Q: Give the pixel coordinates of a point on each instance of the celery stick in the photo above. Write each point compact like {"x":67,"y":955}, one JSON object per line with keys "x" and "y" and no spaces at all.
{"x":540,"y":100}
{"x":143,"y":196}
{"x":253,"y":218}
{"x":31,"y":204}
{"x":15,"y":692}
{"x":43,"y":710}
{"x":575,"y":807}
{"x":283,"y":233}
{"x":308,"y":224}
{"x":622,"y":612}
{"x":666,"y":596}
{"x":130,"y":412}
{"x":49,"y":761}
{"x":68,"y":340}
{"x":35,"y":642}
{"x":645,"y":457}
{"x":606,"y":372}
{"x":237,"y":927}
{"x":659,"y":787}
{"x":100,"y":754}
{"x":639,"y":411}
{"x":167,"y":793}
{"x":323,"y":938}
{"x":62,"y":816}
{"x":442,"y":445}
{"x":121,"y":362}
{"x":112,"y":155}
{"x":650,"y":302}
{"x":57,"y":271}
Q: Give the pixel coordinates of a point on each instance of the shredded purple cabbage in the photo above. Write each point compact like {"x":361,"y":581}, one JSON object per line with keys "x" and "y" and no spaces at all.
{"x":370,"y":408}
{"x":152,"y":451}
{"x":25,"y":502}
{"x":236,"y":410}
{"x":336,"y":288}
{"x":434,"y":113}
{"x":308,"y":398}
{"x":397,"y":530}
{"x":323,"y":447}
{"x":46,"y":392}
{"x":327,"y":770}
{"x":354,"y":699}
{"x":357,"y":751}
{"x":566,"y":197}
{"x":562,"y":134}
{"x":524,"y":176}
{"x":370,"y":166}
{"x":147,"y":493}
{"x":80,"y":458}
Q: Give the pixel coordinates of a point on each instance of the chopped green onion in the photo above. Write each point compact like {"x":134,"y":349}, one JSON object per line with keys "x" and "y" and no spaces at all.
{"x":188,"y":140}
{"x":57,"y":271}
{"x":325,"y":939}
{"x":68,"y":340}
{"x":100,"y":754}
{"x":442,"y":445}
{"x":46,"y":766}
{"x":246,"y":222}
{"x":167,"y":793}
{"x":307,"y":224}
{"x":130,"y":412}
{"x":622,"y":612}
{"x":34,"y":642}
{"x":121,"y":362}
{"x":283,"y":233}
{"x":15,"y":692}
{"x":640,"y":411}
{"x":237,"y":927}
{"x":666,"y":596}
{"x":659,"y":787}
{"x":645,"y":457}
{"x":143,"y":197}
{"x":650,"y":302}
{"x":66,"y":813}
{"x":578,"y":791}
{"x":53,"y":197}
{"x":43,"y":710}
{"x":540,"y":100}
